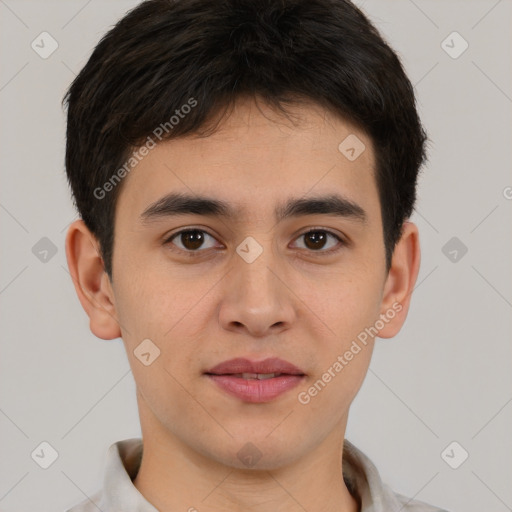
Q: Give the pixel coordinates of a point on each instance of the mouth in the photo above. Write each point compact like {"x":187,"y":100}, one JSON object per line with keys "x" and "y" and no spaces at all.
{"x":253,"y":381}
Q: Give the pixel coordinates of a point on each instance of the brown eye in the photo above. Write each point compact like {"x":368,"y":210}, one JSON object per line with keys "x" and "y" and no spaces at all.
{"x":190,"y":239}
{"x":316,"y":240}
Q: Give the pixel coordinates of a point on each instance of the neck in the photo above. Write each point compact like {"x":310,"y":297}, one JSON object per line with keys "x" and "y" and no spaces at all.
{"x":174,"y":476}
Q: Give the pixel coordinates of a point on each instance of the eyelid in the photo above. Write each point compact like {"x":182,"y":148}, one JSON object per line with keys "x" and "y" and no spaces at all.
{"x":341,"y":239}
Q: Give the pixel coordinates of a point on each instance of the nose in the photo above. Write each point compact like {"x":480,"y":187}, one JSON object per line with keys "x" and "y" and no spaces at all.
{"x":257,"y":299}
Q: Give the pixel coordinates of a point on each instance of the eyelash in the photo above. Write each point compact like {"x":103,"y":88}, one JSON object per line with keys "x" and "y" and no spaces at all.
{"x":191,"y":253}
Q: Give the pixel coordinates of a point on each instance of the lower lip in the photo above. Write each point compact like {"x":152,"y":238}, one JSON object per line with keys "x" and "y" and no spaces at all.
{"x":256,"y":390}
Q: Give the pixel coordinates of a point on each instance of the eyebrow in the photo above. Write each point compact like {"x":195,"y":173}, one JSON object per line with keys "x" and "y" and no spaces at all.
{"x":184,"y":204}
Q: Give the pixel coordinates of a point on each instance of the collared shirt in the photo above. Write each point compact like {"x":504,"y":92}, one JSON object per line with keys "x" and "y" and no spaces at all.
{"x":124,"y":458}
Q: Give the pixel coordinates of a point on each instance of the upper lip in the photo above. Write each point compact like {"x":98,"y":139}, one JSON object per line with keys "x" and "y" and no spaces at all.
{"x":243,"y":365}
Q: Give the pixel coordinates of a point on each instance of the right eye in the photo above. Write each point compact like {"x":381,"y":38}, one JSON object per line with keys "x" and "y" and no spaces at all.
{"x":190,"y":239}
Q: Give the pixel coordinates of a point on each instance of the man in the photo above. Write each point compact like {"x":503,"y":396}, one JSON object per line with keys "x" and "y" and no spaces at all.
{"x":244,"y":172}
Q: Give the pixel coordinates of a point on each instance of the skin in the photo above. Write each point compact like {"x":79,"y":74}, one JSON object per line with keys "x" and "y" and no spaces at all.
{"x":292,"y":302}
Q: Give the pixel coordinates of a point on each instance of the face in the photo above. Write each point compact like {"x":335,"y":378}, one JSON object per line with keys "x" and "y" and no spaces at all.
{"x":301,"y":286}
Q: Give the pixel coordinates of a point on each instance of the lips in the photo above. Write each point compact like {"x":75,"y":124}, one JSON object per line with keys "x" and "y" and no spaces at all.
{"x":256,"y":381}
{"x":247,"y":369}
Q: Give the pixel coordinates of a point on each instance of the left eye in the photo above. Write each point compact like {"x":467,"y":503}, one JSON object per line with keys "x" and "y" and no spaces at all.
{"x":193,"y":239}
{"x":316,"y":239}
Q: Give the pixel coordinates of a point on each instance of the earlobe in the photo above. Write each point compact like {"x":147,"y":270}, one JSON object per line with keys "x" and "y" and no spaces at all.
{"x":400,"y":281}
{"x":91,"y":282}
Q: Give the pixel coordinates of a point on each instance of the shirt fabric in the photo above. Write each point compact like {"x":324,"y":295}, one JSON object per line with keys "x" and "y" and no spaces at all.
{"x":124,"y":458}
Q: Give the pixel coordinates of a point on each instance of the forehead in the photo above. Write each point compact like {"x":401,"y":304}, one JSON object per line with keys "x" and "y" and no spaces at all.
{"x":255,"y":159}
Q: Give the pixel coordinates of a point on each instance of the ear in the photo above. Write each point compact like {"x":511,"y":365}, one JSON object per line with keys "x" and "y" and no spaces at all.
{"x":400,"y":281}
{"x":92,"y":283}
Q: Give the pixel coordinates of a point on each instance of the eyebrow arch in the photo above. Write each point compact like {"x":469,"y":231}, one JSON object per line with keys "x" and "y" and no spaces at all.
{"x":182,"y":204}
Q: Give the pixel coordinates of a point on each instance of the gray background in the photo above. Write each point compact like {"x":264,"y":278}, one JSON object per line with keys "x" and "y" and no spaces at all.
{"x":446,"y":377}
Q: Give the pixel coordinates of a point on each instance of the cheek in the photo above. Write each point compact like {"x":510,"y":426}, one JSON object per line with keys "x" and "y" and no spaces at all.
{"x":169,"y":311}
{"x":159,"y":327}
{"x":350,"y":302}
{"x":155,"y":300}
{"x":344,"y":350}
{"x":348,"y":307}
